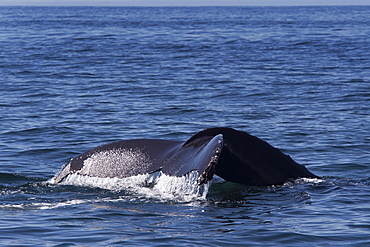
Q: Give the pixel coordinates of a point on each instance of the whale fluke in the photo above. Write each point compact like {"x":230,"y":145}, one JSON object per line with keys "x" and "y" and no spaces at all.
{"x":235,"y":156}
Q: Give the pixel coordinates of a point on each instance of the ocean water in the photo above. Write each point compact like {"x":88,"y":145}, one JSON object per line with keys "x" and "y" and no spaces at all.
{"x":73,"y":78}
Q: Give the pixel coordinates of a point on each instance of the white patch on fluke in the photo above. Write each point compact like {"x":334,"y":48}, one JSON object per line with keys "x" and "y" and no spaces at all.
{"x":115,"y":163}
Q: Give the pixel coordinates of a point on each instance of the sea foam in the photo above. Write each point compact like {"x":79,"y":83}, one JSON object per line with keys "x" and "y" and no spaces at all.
{"x":155,"y":185}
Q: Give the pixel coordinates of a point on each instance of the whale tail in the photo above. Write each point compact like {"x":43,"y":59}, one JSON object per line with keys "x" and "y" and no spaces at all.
{"x":236,"y":156}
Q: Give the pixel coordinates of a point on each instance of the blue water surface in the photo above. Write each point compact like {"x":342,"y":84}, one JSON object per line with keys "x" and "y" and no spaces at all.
{"x":73,"y":78}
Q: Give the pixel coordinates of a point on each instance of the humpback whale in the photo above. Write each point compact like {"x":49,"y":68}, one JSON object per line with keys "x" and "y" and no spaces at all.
{"x":233,"y":155}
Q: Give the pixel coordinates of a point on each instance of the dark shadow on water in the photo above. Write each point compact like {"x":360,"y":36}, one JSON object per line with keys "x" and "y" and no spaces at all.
{"x":11,"y":180}
{"x":290,"y":194}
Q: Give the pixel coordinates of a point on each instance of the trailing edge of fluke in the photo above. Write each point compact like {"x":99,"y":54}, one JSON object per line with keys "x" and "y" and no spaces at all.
{"x":233,"y":155}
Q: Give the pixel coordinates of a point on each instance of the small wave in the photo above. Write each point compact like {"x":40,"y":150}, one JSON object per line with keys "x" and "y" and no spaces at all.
{"x":309,"y":180}
{"x":155,"y":185}
{"x":12,"y":180}
{"x":301,"y":181}
{"x":43,"y":205}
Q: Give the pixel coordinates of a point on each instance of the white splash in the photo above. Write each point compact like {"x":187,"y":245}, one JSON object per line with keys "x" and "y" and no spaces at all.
{"x":156,"y":185}
{"x":309,"y":180}
{"x":292,"y":183}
